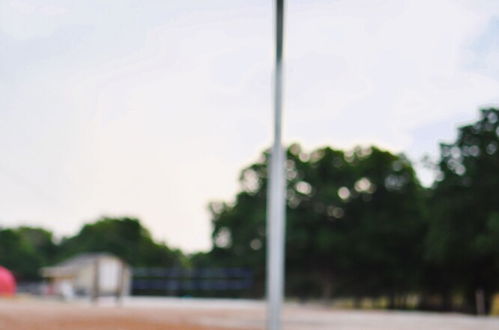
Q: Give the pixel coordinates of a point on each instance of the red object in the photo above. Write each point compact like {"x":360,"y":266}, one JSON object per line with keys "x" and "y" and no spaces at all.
{"x":7,"y":282}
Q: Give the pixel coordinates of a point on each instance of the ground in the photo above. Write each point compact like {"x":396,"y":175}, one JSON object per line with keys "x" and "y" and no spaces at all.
{"x":196,"y":314}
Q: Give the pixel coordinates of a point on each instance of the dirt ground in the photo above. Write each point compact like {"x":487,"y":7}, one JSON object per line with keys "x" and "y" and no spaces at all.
{"x":200,"y":314}
{"x":17,"y":314}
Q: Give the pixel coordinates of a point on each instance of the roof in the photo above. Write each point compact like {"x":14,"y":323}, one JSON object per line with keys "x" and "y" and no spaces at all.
{"x":72,"y":266}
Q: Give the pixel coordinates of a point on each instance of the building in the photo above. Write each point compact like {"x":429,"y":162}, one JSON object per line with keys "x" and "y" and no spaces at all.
{"x":91,"y":274}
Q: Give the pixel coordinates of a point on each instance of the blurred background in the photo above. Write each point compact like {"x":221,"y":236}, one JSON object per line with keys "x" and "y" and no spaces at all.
{"x":135,"y":137}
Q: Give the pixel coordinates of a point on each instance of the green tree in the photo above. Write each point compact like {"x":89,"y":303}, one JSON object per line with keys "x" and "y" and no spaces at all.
{"x":354,"y":223}
{"x":359,"y":215}
{"x":18,"y":255}
{"x":239,"y":228}
{"x":462,"y":241}
{"x":41,"y":241}
{"x":124,"y":237}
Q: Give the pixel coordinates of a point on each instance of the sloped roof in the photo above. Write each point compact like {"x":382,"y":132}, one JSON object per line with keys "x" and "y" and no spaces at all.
{"x":72,"y":266}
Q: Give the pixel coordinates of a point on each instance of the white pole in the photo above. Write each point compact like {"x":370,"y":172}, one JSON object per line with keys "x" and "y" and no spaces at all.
{"x":276,"y":198}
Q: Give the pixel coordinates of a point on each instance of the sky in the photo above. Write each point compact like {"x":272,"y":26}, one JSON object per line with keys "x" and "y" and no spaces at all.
{"x":151,"y":108}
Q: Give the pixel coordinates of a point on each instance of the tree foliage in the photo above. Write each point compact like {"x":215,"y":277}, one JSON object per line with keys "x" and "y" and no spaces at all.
{"x":464,"y":231}
{"x":349,"y":214}
{"x":360,"y":224}
{"x":19,"y":254}
{"x":124,"y":237}
{"x":25,"y":250}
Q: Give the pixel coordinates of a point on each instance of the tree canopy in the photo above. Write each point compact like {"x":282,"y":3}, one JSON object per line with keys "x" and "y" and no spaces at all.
{"x":348,"y":214}
{"x":464,"y":229}
{"x":124,"y":237}
{"x":25,"y":250}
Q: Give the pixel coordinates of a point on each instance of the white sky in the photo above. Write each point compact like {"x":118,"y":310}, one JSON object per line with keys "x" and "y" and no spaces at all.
{"x":151,"y":108}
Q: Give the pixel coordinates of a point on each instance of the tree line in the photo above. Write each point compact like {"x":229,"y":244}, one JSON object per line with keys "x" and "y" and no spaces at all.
{"x":24,"y":250}
{"x":359,"y":224}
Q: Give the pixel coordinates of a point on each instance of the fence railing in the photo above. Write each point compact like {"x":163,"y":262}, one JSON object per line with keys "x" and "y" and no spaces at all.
{"x":170,"y":280}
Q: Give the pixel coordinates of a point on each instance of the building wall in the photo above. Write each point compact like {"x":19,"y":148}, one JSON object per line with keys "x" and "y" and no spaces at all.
{"x":113,"y":277}
{"x":83,"y":283}
{"x":109,"y":275}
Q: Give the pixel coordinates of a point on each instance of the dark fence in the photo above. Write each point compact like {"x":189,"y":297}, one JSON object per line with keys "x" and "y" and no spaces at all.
{"x":195,"y":282}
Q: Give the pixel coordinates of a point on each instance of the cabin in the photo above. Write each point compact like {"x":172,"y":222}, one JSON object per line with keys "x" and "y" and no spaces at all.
{"x":88,"y":275}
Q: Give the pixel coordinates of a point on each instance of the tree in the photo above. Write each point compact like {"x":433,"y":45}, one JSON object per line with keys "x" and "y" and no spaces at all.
{"x":41,"y":241}
{"x":18,"y":255}
{"x":124,"y":237}
{"x":239,"y":228}
{"x":354,"y":223}
{"x":362,"y":220}
{"x":464,"y":229}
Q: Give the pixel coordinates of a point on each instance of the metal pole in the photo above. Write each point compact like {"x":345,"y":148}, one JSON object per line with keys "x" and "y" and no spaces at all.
{"x":276,"y":198}
{"x":96,"y":281}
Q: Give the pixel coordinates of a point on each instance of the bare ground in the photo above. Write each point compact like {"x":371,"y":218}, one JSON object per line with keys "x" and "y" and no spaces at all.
{"x":195,"y":314}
